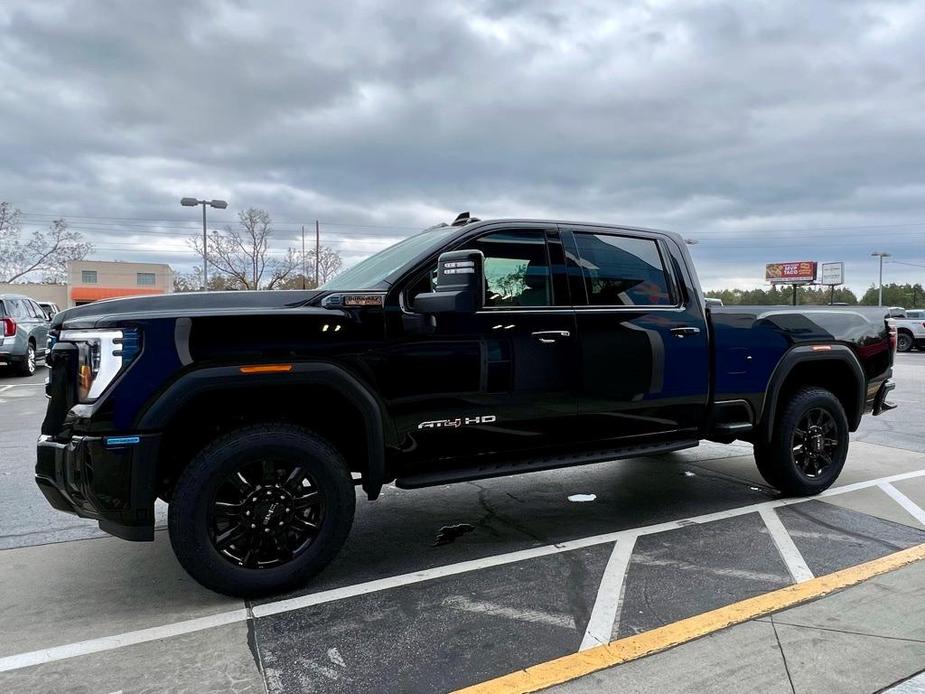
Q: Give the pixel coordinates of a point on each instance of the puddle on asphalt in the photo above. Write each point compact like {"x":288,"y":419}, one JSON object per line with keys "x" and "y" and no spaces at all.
{"x":449,"y":533}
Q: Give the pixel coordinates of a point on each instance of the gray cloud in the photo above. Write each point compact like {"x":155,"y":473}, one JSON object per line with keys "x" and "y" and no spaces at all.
{"x":729,"y":122}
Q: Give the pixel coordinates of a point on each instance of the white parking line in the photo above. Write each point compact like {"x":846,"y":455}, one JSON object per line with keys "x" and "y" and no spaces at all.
{"x":606,"y":610}
{"x":789,"y":552}
{"x":913,"y":509}
{"x":106,"y":643}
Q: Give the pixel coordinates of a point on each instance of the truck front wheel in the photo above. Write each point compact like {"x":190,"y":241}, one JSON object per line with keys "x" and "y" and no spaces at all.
{"x":260,"y":510}
{"x":808,"y":446}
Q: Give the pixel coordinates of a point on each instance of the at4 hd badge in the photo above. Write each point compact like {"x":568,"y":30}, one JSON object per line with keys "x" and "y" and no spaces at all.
{"x":457,"y":422}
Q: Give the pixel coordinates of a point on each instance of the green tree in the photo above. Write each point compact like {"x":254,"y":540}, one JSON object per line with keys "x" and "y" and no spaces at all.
{"x":905,"y":295}
{"x":782,"y":295}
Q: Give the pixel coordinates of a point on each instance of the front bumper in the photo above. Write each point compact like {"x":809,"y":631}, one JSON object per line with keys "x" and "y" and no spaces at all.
{"x":108,"y":478}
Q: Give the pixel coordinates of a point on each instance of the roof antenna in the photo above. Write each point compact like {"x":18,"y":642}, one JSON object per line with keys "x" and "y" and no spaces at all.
{"x":462,"y":219}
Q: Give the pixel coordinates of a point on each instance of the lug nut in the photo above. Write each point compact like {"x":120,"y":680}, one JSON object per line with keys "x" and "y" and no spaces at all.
{"x":253,"y":525}
{"x":266,"y":530}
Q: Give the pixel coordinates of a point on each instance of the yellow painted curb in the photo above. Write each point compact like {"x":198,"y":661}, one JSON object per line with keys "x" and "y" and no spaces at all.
{"x":576,"y":665}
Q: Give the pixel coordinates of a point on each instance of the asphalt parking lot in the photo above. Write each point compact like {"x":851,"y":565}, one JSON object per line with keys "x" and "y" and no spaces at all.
{"x":446,"y":588}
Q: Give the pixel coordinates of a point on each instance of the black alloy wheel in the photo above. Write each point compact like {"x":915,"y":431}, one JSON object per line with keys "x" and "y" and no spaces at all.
{"x":814,"y":442}
{"x":903,"y":342}
{"x":265,"y":514}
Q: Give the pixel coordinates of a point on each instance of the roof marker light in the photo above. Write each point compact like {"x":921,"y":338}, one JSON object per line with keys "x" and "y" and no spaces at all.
{"x":266,"y":369}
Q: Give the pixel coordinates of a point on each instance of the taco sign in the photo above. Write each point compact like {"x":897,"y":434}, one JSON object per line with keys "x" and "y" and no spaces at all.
{"x":799,"y":272}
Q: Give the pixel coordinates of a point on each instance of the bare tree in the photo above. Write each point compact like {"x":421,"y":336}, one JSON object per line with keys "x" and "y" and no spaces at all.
{"x":242,"y":255}
{"x":329,"y":263}
{"x":43,"y":252}
{"x":192,"y":282}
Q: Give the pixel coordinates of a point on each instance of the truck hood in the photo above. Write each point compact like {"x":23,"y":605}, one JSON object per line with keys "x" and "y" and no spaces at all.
{"x":115,"y":311}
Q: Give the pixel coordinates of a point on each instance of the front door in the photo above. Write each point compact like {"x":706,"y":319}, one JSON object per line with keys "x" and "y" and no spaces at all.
{"x":644,"y":347}
{"x":501,"y":379}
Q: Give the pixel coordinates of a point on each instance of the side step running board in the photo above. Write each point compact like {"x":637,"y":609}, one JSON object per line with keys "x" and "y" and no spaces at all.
{"x":535,"y":464}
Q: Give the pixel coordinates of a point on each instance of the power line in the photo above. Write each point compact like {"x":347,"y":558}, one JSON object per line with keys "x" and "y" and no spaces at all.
{"x":181,"y":223}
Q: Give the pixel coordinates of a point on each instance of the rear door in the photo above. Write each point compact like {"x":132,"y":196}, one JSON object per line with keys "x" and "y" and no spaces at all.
{"x":643,"y":337}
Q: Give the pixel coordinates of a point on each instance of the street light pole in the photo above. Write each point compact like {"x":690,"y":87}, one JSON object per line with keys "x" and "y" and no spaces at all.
{"x":217,"y":204}
{"x":205,"y":250}
{"x":881,"y":255}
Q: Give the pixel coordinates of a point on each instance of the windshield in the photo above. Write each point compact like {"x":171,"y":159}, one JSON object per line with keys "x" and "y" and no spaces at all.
{"x":370,"y":273}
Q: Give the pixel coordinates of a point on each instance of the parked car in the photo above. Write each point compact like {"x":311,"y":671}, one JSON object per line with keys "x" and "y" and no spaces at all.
{"x":49,"y":308}
{"x":915,"y":313}
{"x":711,"y":301}
{"x":25,"y":333}
{"x":910,"y":332}
{"x":472,"y":350}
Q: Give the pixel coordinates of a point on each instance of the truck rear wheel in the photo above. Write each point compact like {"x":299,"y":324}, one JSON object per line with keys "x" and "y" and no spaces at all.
{"x":261,"y":510}
{"x":808,"y":446}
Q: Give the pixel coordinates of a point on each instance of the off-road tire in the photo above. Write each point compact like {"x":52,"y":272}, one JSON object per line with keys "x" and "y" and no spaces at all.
{"x":188,"y":512}
{"x":776,"y":458}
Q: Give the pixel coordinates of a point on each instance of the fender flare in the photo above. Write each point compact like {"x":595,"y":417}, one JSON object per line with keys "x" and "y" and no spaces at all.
{"x":194,"y":383}
{"x":800,"y":355}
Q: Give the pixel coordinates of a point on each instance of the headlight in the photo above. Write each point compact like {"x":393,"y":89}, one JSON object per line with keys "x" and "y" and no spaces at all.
{"x":101,"y":355}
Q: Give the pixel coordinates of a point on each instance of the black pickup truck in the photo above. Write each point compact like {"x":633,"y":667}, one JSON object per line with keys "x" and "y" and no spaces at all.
{"x":471,"y":350}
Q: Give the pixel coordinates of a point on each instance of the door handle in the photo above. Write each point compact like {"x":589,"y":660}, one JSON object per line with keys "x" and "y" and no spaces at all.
{"x":685,"y":330}
{"x":549,"y":336}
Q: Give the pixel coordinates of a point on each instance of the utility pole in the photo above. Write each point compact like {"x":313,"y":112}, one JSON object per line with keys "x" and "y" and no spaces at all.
{"x":317,"y":254}
{"x":303,"y":256}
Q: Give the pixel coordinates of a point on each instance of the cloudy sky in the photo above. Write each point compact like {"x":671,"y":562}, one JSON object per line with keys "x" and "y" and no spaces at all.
{"x":767,"y":131}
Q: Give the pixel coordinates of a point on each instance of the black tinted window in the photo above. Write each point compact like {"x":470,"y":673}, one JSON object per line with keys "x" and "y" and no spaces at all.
{"x":622,"y":271}
{"x":516,"y":268}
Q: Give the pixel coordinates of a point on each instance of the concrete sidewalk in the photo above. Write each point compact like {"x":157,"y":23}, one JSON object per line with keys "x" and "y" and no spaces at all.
{"x":862,"y":639}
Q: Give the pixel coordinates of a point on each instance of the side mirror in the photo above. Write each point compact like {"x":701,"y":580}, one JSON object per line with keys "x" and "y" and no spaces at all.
{"x":460,"y":284}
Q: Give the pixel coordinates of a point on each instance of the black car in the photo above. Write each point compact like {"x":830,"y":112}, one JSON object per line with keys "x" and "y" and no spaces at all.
{"x":471,"y":350}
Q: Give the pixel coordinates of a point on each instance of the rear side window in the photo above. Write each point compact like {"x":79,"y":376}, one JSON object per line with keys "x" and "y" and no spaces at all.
{"x":622,"y":271}
{"x":18,"y":308}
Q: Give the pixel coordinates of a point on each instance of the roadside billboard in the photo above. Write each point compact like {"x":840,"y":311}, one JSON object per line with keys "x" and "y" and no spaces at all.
{"x":799,"y":272}
{"x":832,"y":273}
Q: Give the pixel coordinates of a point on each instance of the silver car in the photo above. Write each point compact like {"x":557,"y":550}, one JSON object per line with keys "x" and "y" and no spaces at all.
{"x":24,"y":334}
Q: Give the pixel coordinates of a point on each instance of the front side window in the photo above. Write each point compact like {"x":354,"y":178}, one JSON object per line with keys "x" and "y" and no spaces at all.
{"x":622,"y":271}
{"x":516,"y":268}
{"x":88,"y":276}
{"x":145,"y":279}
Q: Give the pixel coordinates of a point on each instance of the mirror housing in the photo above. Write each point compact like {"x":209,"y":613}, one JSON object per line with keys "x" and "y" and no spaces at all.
{"x":460,"y":284}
